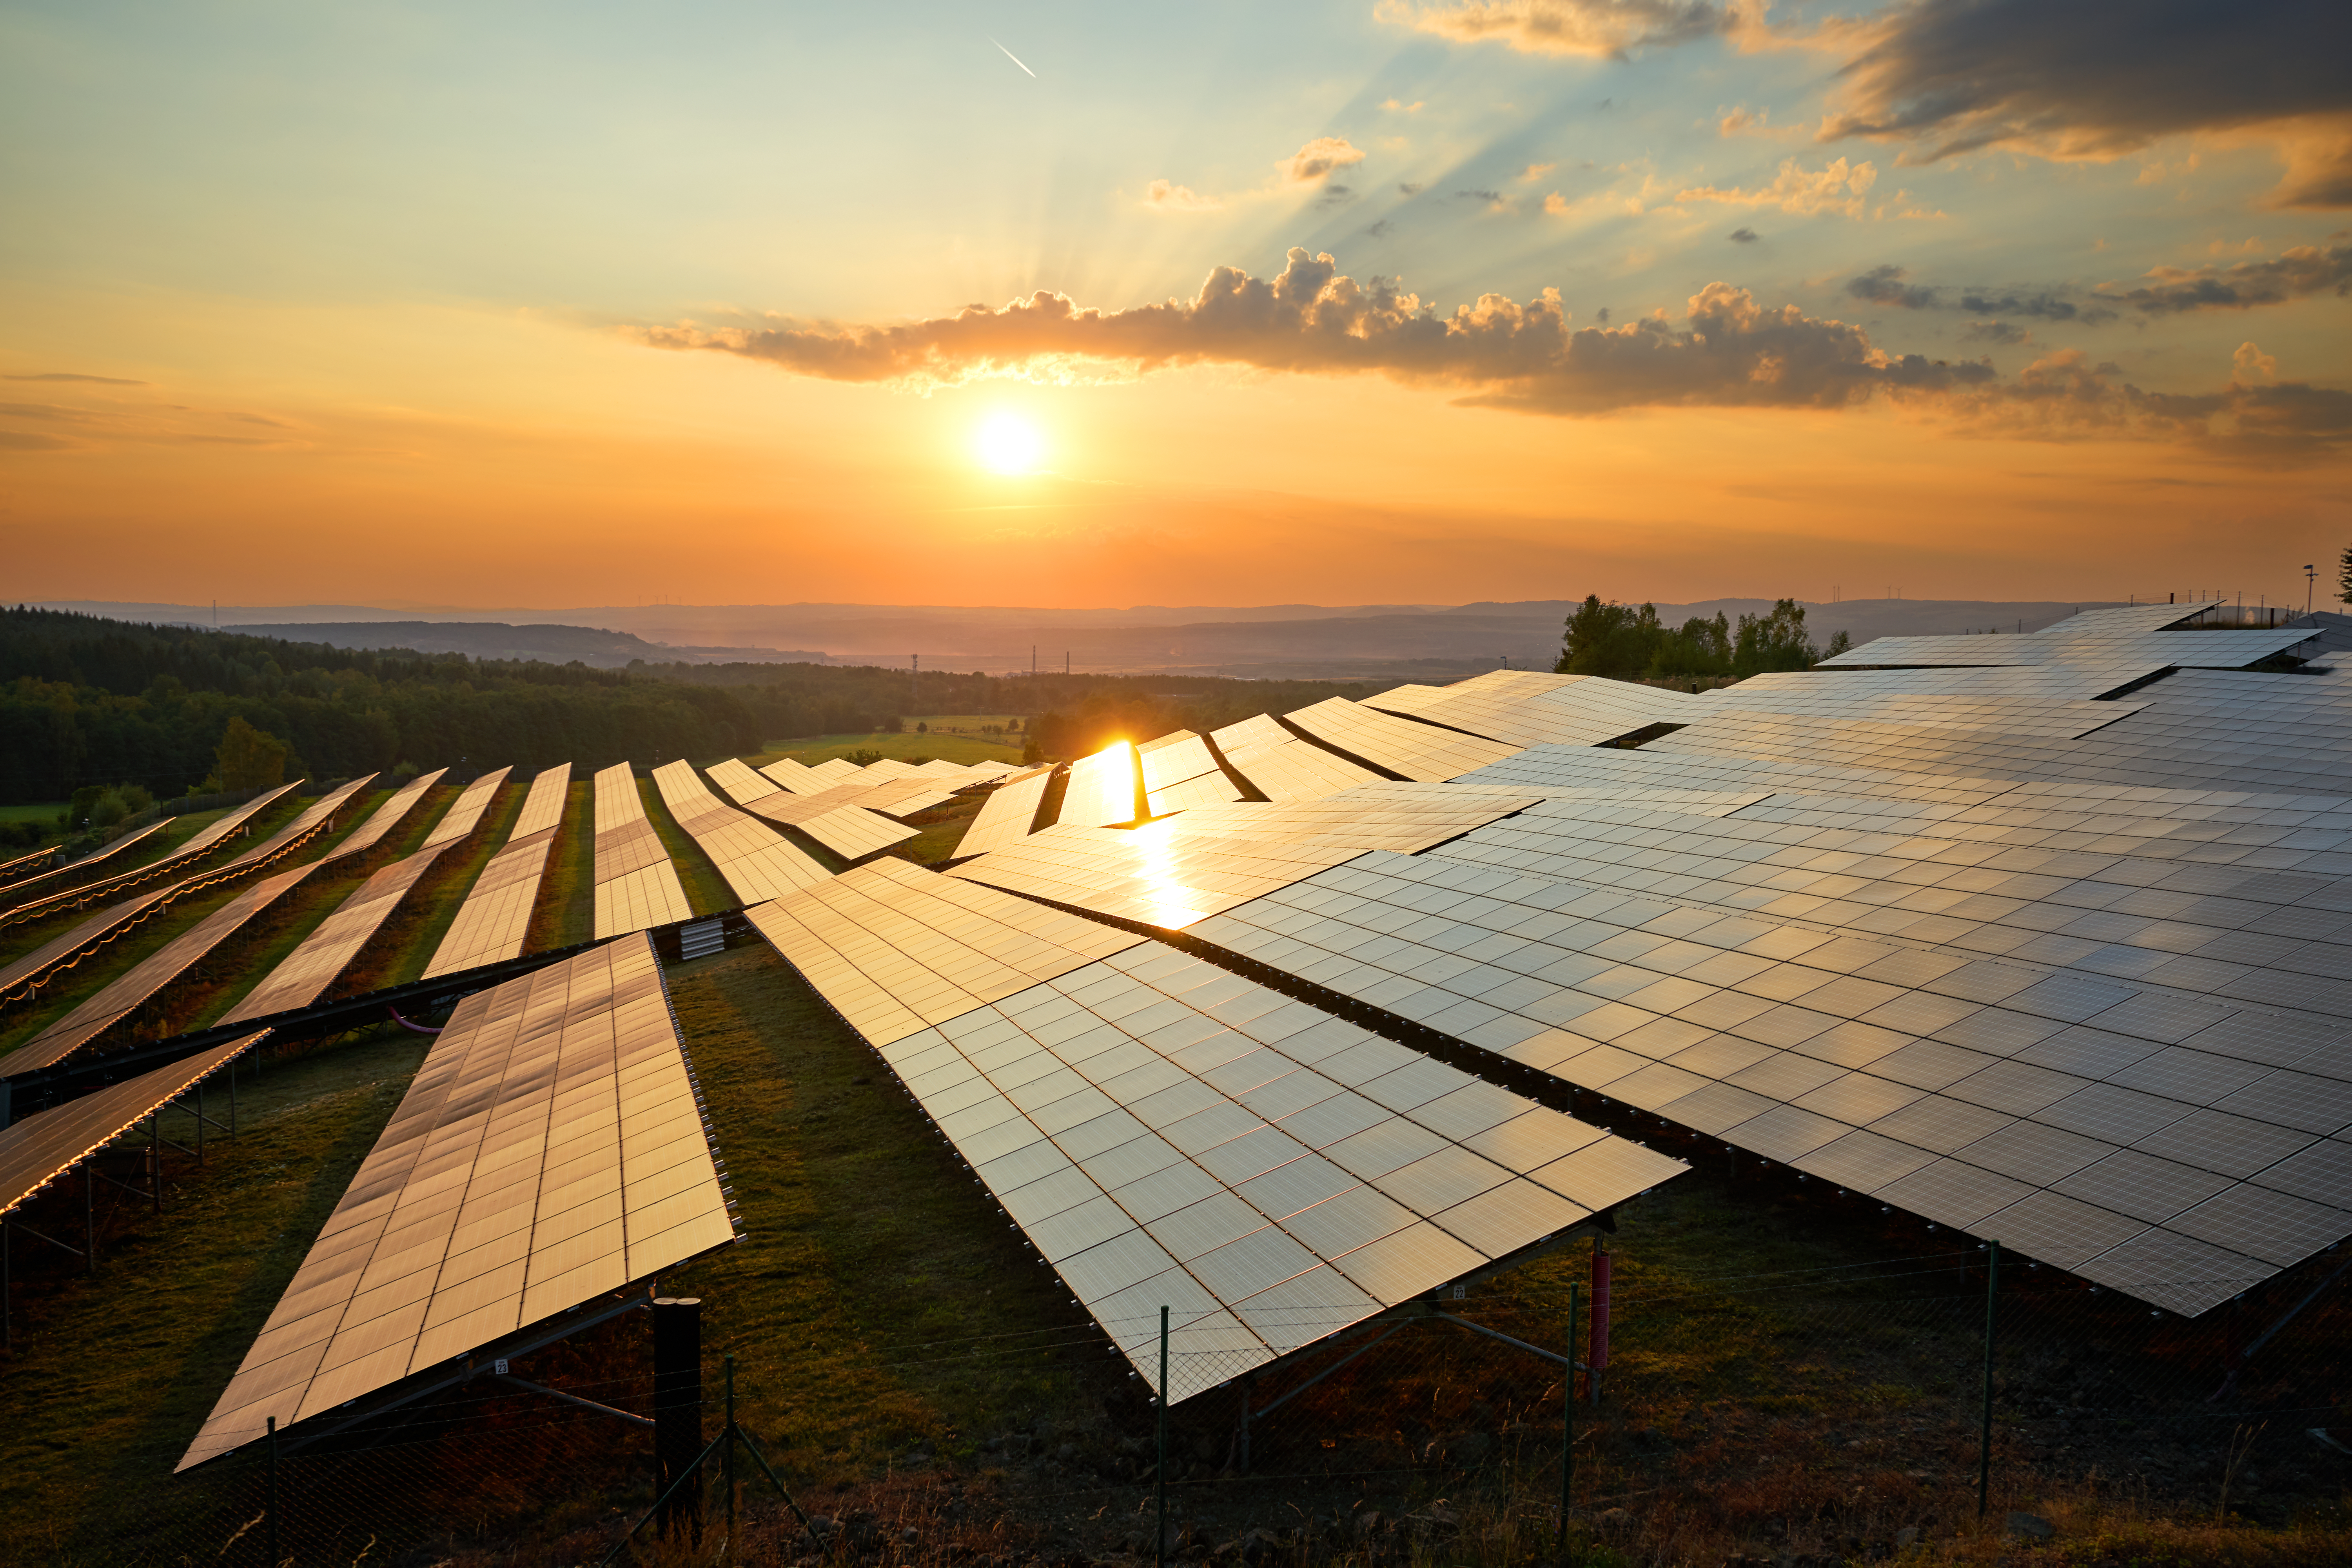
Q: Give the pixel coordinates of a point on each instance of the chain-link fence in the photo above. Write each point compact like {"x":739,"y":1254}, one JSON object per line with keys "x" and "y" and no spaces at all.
{"x":1818,"y":1415}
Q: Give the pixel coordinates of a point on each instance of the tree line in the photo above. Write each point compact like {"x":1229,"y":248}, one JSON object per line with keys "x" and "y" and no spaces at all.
{"x":1627,"y":643}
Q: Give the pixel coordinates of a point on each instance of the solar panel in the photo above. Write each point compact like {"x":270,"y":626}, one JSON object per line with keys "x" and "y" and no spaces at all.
{"x":1282,"y":767}
{"x":1179,"y":772}
{"x":1526,"y":707}
{"x":1172,"y":872}
{"x":1008,"y":813}
{"x":1105,"y":787}
{"x":548,"y":1152}
{"x":465,"y":814}
{"x":23,"y":907}
{"x":302,"y":976}
{"x":2134,"y":632}
{"x":636,"y":886}
{"x":1170,"y":1135}
{"x":38,"y":1149}
{"x":753,"y":857}
{"x":1401,"y":746}
{"x":494,"y":921}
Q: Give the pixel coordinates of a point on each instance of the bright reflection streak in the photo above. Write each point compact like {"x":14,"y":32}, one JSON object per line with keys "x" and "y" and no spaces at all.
{"x":1159,"y":872}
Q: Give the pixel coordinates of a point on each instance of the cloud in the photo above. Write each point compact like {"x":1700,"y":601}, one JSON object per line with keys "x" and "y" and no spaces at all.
{"x":1410,"y":189}
{"x":1556,"y":204}
{"x":1413,"y":107}
{"x":2292,"y":274}
{"x":46,"y":411}
{"x":69,"y":375}
{"x":1319,"y":158}
{"x":1728,"y":352}
{"x":21,"y":441}
{"x":1164,"y":196}
{"x":1835,"y":188}
{"x":1743,"y":235}
{"x":1885,"y":286}
{"x":2251,"y":364}
{"x":2003,"y":332}
{"x":2096,"y":80}
{"x":1537,"y":171}
{"x":1608,"y":28}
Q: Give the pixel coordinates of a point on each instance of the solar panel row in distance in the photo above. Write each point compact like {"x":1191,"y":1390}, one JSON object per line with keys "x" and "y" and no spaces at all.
{"x":636,"y":886}
{"x":548,"y":1152}
{"x":1168,"y":1134}
{"x":753,"y":858}
{"x":27,"y":900}
{"x":495,"y":920}
{"x":126,"y":992}
{"x":1404,"y":747}
{"x":1009,"y":813}
{"x":1281,"y":766}
{"x":1528,"y":708}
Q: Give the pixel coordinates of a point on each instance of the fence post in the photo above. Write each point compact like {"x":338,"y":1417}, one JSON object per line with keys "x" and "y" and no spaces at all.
{"x":270,"y":1535}
{"x":1984,"y":1436}
{"x":677,"y":1406}
{"x":1567,"y":1426}
{"x":1596,"y":1360}
{"x":1160,"y":1551}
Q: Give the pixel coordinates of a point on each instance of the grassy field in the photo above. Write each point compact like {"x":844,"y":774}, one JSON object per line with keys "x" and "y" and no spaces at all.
{"x":707,"y":891}
{"x":566,"y":911}
{"x":43,"y":812}
{"x":955,"y":736}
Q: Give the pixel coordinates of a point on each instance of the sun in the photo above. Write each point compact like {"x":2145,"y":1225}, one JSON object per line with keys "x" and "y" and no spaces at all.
{"x":1009,"y":444}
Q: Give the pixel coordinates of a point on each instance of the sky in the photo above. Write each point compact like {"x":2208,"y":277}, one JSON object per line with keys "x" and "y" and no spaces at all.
{"x":1062,"y":305}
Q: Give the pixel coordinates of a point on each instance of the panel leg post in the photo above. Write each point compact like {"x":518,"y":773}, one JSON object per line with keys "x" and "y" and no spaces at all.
{"x":90,"y":1212}
{"x":678,"y":1405}
{"x":7,"y":1284}
{"x":200,"y":1121}
{"x":1568,"y":1424}
{"x":1160,"y":1549}
{"x":270,"y":1535}
{"x":727,"y":1461}
{"x":155,"y":1158}
{"x":1984,"y":1435}
{"x":1248,"y":1385}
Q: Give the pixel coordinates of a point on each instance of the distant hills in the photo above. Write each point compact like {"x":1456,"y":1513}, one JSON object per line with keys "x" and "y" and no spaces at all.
{"x":1361,"y":642}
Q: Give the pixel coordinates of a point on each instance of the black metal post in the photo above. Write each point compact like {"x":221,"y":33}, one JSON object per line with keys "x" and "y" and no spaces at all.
{"x":726,"y":1460}
{"x":1160,"y":1549}
{"x":270,"y":1535}
{"x":1568,"y":1424}
{"x":7,"y":1284}
{"x":677,"y":1405}
{"x":200,"y":1121}
{"x":90,"y":1212}
{"x":1248,"y":1385}
{"x":1984,"y":1436}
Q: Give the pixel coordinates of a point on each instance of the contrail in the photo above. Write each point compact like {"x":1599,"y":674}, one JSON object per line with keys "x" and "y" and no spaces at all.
{"x":1014,"y":57}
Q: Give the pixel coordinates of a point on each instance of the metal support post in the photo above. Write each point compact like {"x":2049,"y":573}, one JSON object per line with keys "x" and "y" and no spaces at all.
{"x":1984,"y":1436}
{"x":271,"y":1534}
{"x":678,"y":1407}
{"x":1248,"y":1386}
{"x":200,"y":1121}
{"x":89,"y":1214}
{"x":155,"y":1158}
{"x":1596,"y":1360}
{"x":1160,"y":1548}
{"x":7,"y":1284}
{"x":1567,"y":1427}
{"x":727,"y":1460}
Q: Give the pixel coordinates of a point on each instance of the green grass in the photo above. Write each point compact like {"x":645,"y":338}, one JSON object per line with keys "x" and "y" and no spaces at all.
{"x":707,"y":891}
{"x":566,"y":911}
{"x":43,"y":812}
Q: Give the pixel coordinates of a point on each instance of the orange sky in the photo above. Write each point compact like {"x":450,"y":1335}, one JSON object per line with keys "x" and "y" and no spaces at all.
{"x":236,"y":400}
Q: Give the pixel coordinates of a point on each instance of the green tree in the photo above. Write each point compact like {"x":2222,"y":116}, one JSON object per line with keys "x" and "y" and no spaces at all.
{"x":1701,"y":649}
{"x":1777,"y":641}
{"x":1609,"y":639}
{"x":1841,"y":641}
{"x":2344,"y":576}
{"x":250,"y":758}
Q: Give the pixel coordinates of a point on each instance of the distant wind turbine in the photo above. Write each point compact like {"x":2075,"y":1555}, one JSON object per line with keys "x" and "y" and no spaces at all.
{"x":1014,"y":57}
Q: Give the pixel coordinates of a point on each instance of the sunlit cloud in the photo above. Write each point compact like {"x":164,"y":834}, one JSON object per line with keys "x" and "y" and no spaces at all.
{"x":1163,"y":196}
{"x":1834,"y":188}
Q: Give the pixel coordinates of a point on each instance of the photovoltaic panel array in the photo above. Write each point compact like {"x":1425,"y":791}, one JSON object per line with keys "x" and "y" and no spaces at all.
{"x":23,"y":880}
{"x":39,"y":1148}
{"x":495,"y":920}
{"x":2142,"y":633}
{"x":1172,"y":872}
{"x":636,"y":886}
{"x":1168,"y":1134}
{"x":549,"y":1152}
{"x":464,"y":813}
{"x":1528,"y":708}
{"x":1007,"y":814}
{"x":1282,"y":767}
{"x":120,"y":997}
{"x":846,"y":818}
{"x":753,"y":858}
{"x":1405,"y":747}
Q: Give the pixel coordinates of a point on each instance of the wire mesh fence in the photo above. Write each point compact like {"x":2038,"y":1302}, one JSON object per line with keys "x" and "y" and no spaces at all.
{"x":1818,"y":1413}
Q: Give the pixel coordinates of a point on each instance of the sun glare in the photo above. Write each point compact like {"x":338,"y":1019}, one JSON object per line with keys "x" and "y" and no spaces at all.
{"x":1009,"y":444}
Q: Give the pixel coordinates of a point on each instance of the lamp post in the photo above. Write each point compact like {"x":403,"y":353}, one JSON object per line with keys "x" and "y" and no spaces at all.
{"x":2310,"y":576}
